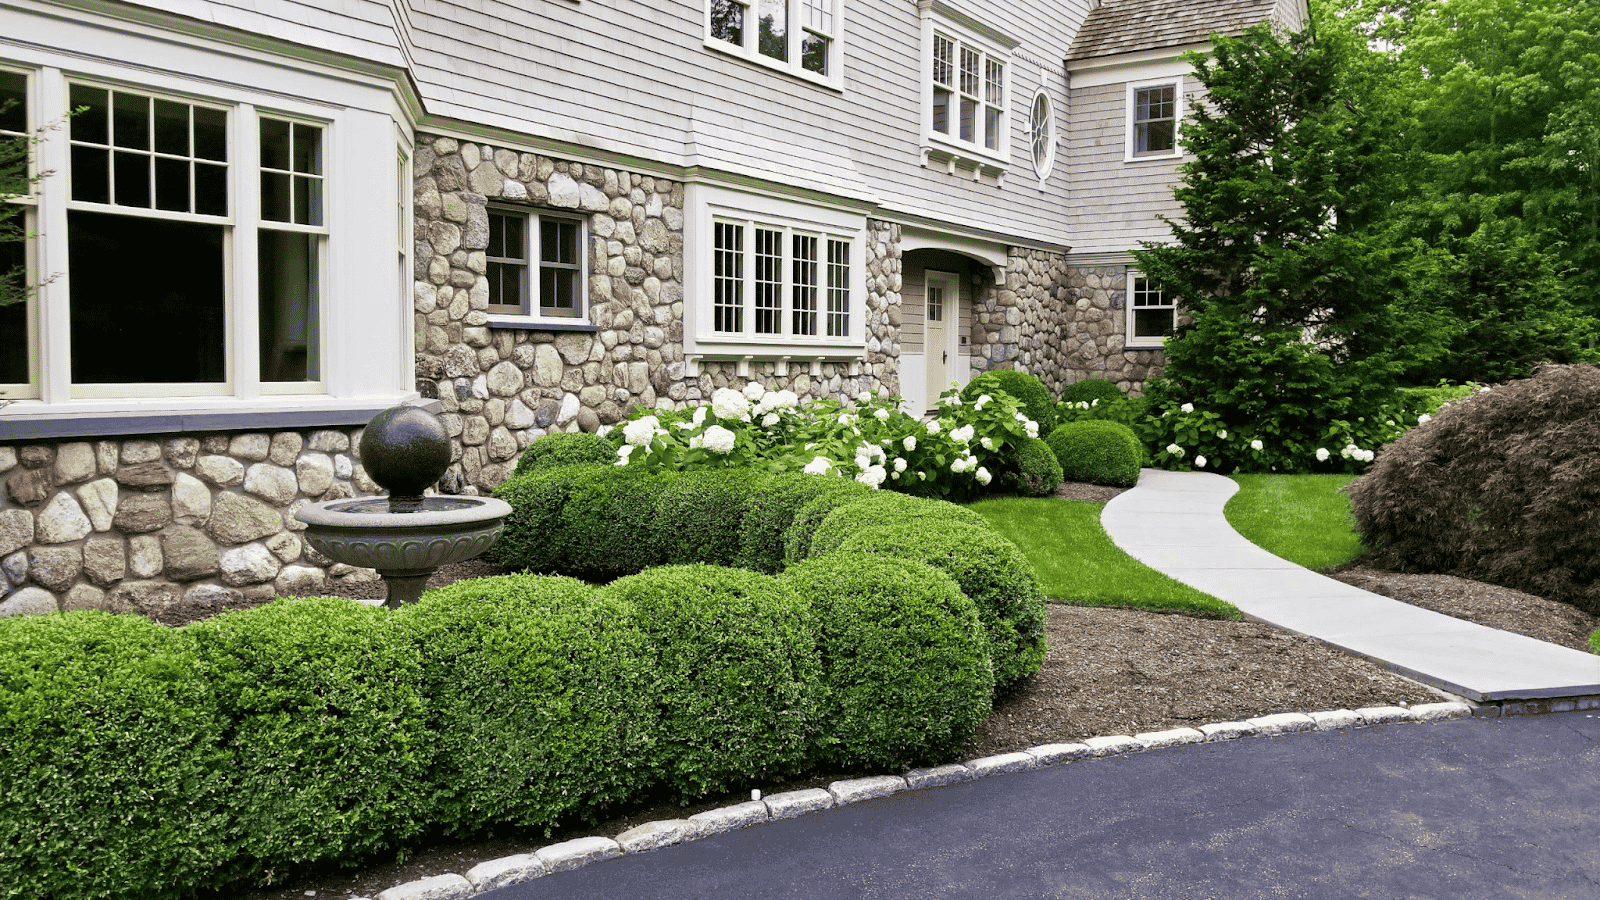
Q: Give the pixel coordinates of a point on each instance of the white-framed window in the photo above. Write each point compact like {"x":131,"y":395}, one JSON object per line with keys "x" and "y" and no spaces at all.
{"x":18,"y":365}
{"x":1152,"y":314}
{"x":535,"y":266}
{"x":771,"y":280}
{"x":1042,"y":134}
{"x":966,"y":90}
{"x":801,"y":37}
{"x":1154,"y":111}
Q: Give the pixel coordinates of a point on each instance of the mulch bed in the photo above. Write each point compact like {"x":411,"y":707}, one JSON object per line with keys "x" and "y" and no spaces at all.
{"x":1108,"y":671}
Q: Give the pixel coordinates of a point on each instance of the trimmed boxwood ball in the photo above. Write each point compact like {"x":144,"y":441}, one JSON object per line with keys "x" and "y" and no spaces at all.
{"x":1088,"y":390}
{"x":1097,"y":452}
{"x":885,"y":506}
{"x":904,"y":658}
{"x":532,"y":538}
{"x":565,"y":448}
{"x":735,"y":678}
{"x":534,"y":702}
{"x":1034,"y":470}
{"x":769,"y":512}
{"x":607,"y":522}
{"x":989,"y":569}
{"x":113,"y":778}
{"x":699,"y":513}
{"x":834,"y":492}
{"x":328,"y":746}
{"x":1503,"y":488}
{"x":1026,"y":389}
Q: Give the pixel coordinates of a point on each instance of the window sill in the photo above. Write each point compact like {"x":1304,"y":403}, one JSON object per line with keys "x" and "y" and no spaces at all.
{"x":785,"y":357}
{"x":782,"y":67}
{"x":521,"y":324}
{"x":27,"y":420}
{"x":1163,"y":157}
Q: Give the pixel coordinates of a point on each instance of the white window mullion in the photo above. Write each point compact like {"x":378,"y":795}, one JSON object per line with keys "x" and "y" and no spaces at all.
{"x":54,"y":310}
{"x":244,"y":311}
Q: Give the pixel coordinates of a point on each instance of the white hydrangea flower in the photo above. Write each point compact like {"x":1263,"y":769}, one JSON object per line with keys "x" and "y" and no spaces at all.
{"x":769,"y":420}
{"x":718,"y":439}
{"x":846,"y":419}
{"x":983,"y":400}
{"x":987,"y":442}
{"x":1323,"y":454}
{"x":1174,"y":449}
{"x":881,"y":414}
{"x":1256,"y":444}
{"x":700,"y":414}
{"x":1031,"y":427}
{"x":910,"y":442}
{"x":605,"y":430}
{"x":1366,"y":455}
{"x":962,"y":435}
{"x":922,"y":476}
{"x":1200,"y":462}
{"x":1223,"y":434}
{"x":753,"y":391}
{"x":982,"y":475}
{"x":622,"y":454}
{"x":872,"y":476}
{"x":1187,"y":407}
{"x":685,"y":426}
{"x":697,"y":441}
{"x":935,"y":425}
{"x":1424,"y":419}
{"x":819,"y":465}
{"x":899,"y":464}
{"x":862,"y":461}
{"x":728,"y":403}
{"x":640,"y":431}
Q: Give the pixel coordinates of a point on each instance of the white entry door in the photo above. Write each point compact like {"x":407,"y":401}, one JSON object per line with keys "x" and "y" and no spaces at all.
{"x":943,"y":292}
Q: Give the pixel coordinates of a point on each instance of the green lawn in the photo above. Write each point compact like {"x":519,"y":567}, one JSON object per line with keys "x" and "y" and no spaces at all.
{"x":1077,"y":563}
{"x":1302,"y":518}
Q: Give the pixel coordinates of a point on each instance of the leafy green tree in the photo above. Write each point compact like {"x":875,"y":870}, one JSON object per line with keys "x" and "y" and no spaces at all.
{"x":1282,"y":258}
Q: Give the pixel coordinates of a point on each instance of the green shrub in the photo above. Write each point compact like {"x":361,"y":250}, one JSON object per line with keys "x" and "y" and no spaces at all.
{"x":565,"y":448}
{"x":1594,"y":641}
{"x":607,"y":523}
{"x":328,"y":742}
{"x":532,"y":538}
{"x":534,"y":701}
{"x":838,"y":492}
{"x":113,"y":780}
{"x":735,"y":680}
{"x":1097,"y":452}
{"x":904,"y":659}
{"x":1021,"y":386}
{"x":770,"y":511}
{"x":989,"y":569}
{"x":881,"y":507}
{"x":699,"y":513}
{"x":1034,"y":470}
{"x":1089,"y":390}
{"x":1504,"y":488}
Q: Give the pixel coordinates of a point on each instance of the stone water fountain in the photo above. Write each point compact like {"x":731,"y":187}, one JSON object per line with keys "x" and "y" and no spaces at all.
{"x":405,"y":536}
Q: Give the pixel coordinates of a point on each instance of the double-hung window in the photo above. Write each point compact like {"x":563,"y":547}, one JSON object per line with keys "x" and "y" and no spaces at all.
{"x":801,"y":37}
{"x":1152,"y":314}
{"x":1154,"y":110}
{"x":535,"y":266}
{"x":774,"y":281}
{"x":966,"y":90}
{"x":16,"y":363}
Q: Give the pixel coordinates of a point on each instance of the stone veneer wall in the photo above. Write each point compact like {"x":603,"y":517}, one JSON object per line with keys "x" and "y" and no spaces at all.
{"x":500,"y":388}
{"x":141,"y":524}
{"x":1060,"y":322}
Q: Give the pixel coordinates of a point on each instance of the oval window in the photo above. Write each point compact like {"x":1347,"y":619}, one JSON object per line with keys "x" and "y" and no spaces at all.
{"x":1042,"y":128}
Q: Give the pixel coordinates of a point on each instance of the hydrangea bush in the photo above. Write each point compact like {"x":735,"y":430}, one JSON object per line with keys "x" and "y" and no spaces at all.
{"x":957,"y":454}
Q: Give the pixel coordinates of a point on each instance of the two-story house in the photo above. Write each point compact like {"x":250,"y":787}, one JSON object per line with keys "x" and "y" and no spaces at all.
{"x":265,"y":220}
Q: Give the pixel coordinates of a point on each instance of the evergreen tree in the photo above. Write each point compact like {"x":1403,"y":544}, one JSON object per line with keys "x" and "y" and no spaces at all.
{"x":1281,"y":257}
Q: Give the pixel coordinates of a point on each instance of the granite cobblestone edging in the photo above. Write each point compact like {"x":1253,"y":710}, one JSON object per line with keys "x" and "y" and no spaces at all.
{"x":571,"y":854}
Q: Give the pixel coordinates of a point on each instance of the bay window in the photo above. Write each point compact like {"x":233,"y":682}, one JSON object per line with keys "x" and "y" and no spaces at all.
{"x":966,"y":90}
{"x":780,"y":281}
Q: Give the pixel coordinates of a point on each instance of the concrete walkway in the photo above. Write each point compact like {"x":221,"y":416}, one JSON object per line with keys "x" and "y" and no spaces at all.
{"x":1173,"y":523}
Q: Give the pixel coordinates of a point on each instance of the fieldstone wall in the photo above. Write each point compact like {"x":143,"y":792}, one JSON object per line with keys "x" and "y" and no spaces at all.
{"x":1060,"y":322}
{"x":142,"y":524}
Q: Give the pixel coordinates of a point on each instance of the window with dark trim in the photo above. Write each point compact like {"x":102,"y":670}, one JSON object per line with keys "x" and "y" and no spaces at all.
{"x":534,"y":265}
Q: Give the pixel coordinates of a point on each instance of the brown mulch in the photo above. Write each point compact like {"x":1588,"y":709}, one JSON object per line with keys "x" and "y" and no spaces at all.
{"x":1108,"y":671}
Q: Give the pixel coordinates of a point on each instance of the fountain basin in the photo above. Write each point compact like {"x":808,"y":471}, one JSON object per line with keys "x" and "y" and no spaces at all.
{"x":405,"y":547}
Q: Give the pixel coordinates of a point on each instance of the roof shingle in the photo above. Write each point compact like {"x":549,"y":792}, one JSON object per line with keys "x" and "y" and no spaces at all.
{"x":1128,"y":26}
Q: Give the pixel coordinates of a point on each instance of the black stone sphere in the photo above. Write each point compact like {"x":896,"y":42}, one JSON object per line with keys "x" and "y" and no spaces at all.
{"x":405,"y":449}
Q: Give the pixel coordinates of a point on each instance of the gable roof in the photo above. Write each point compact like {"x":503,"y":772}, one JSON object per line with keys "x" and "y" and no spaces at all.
{"x":1129,"y":26}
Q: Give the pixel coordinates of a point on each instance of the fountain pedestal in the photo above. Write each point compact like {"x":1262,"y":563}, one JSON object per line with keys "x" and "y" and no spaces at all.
{"x":405,"y":536}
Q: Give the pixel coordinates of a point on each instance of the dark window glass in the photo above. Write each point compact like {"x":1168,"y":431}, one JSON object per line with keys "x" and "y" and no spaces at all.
{"x":91,"y":126}
{"x":91,"y":175}
{"x":727,"y":21}
{"x":132,"y":174}
{"x":558,"y":292}
{"x":774,"y":34}
{"x":277,"y":205}
{"x":559,"y":242}
{"x":13,"y":102}
{"x":814,"y":53}
{"x":290,"y":315}
{"x":172,"y":127}
{"x":172,"y":184}
{"x":274,"y":144}
{"x":211,"y":189}
{"x":308,"y":149}
{"x":130,"y":121}
{"x":14,"y":318}
{"x":136,"y":318}
{"x":211,"y":134}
